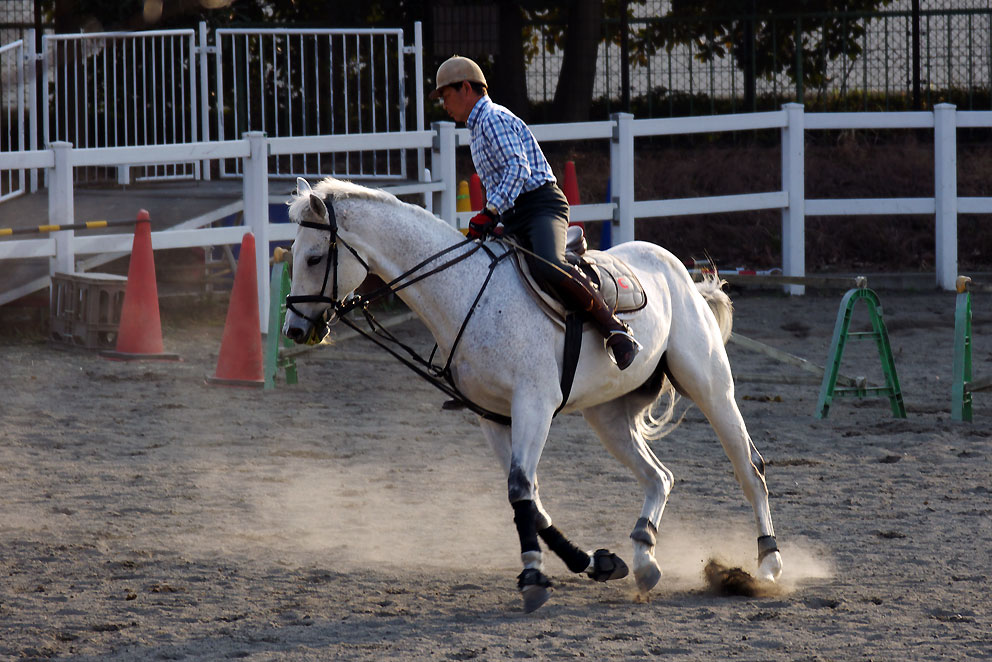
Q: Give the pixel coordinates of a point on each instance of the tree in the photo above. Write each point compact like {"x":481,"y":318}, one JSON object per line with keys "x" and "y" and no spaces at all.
{"x":582,"y":34}
{"x":574,"y":28}
{"x":796,"y":37}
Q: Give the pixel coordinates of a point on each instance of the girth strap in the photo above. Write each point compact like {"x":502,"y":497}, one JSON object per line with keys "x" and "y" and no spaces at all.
{"x":570,"y":356}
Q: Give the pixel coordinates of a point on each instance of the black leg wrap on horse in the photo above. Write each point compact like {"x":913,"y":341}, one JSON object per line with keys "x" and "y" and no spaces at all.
{"x":575,"y":559}
{"x":766,"y":546}
{"x":607,"y":566}
{"x":525,"y":517}
{"x":645,"y":532}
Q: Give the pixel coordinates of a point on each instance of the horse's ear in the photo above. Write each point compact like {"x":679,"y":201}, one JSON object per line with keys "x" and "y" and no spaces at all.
{"x":317,"y":206}
{"x":302,"y":187}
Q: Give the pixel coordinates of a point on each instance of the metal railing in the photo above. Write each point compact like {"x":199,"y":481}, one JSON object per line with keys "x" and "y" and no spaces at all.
{"x":14,"y":122}
{"x":293,"y":82}
{"x":117,"y":89}
{"x":136,"y":89}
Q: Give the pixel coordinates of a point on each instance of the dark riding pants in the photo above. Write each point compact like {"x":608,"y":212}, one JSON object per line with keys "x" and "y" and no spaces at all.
{"x":538,"y":220}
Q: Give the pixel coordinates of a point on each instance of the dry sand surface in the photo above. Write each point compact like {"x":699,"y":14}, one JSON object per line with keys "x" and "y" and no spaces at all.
{"x":147,"y":516}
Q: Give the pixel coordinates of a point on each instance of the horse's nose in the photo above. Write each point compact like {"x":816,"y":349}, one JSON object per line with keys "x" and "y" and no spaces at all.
{"x":294,"y":333}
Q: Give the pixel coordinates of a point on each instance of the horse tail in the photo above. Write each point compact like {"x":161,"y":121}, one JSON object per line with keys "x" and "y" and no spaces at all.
{"x":711,"y":287}
{"x":657,"y":397}
{"x":656,"y":418}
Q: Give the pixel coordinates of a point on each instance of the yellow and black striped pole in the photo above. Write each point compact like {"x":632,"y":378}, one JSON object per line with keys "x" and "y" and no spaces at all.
{"x":43,"y":229}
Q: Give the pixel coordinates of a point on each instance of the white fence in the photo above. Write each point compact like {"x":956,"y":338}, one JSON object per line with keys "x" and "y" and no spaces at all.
{"x":256,"y":150}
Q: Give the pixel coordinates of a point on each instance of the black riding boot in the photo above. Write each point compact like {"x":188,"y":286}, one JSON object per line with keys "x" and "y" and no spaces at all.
{"x":579,"y":293}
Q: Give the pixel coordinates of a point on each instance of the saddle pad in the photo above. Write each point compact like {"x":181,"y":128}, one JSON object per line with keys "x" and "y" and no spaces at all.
{"x":619,"y":286}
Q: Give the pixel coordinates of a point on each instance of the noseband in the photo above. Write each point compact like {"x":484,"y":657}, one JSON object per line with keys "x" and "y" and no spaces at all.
{"x":319,"y":325}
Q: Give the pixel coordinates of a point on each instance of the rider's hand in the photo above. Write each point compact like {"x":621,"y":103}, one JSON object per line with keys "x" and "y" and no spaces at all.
{"x":481,"y":224}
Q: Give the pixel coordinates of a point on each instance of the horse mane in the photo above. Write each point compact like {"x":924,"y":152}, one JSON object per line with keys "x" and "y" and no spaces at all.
{"x":342,"y":189}
{"x":338,"y":190}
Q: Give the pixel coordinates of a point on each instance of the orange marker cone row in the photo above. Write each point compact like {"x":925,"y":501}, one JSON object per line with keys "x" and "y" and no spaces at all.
{"x":240,"y":361}
{"x":139,"y":335}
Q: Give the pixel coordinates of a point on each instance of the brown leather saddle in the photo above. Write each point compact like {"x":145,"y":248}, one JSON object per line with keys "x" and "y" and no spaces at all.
{"x":616,"y":281}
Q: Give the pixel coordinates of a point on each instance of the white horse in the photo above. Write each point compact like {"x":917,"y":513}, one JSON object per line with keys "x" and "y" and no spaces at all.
{"x":508,"y":360}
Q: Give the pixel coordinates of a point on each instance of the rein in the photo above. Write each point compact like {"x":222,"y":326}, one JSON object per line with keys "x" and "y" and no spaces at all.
{"x":439,"y":377}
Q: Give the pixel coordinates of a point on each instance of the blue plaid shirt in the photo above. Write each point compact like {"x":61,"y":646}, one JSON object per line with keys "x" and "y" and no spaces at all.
{"x":506,"y":154}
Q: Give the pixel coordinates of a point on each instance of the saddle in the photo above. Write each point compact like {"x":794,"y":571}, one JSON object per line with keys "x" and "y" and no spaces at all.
{"x":616,"y":281}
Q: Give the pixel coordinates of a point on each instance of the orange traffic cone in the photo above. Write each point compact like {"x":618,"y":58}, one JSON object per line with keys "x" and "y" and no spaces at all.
{"x":139,"y":335}
{"x":475,"y":192}
{"x":240,"y":361}
{"x":571,"y":187}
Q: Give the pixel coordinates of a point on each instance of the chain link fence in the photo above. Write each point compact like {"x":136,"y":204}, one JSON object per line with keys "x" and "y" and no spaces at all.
{"x":15,"y":17}
{"x":872,"y":71}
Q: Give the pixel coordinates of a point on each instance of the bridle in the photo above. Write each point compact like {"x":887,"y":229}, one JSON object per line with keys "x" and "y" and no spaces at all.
{"x":341,"y":306}
{"x":318,"y":326}
{"x":439,"y":376}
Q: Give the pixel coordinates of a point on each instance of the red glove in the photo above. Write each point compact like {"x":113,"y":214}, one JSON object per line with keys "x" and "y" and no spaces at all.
{"x":481,"y":224}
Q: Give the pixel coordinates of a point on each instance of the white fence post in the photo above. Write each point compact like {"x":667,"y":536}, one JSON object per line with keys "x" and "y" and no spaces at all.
{"x":61,"y":210}
{"x":418,"y":72}
{"x":202,"y":57}
{"x":622,"y":177}
{"x":256,"y":196}
{"x":794,"y":216}
{"x":946,"y":193}
{"x":443,"y":170}
{"x":31,"y":86}
{"x":428,"y":196}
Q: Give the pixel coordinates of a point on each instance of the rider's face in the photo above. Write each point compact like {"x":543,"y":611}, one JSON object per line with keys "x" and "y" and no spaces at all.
{"x":459,"y":100}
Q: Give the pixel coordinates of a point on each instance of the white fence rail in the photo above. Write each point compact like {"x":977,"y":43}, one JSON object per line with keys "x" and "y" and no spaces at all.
{"x":256,"y":150}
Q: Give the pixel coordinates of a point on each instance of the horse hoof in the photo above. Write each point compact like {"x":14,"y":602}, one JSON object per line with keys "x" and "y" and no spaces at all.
{"x":607,"y":566}
{"x":534,"y":587}
{"x":534,"y":597}
{"x":647,"y":577}
{"x":770,"y":568}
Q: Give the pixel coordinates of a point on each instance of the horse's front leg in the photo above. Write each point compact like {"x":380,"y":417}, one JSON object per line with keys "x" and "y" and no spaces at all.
{"x":519,"y":449}
{"x":530,"y":517}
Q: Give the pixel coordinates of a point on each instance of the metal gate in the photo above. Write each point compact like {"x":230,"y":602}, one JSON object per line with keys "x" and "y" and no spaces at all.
{"x":289,"y":82}
{"x":128,"y":89}
{"x":123,"y":89}
{"x":13,"y":116}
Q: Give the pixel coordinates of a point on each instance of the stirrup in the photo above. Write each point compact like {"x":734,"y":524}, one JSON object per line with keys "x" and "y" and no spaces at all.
{"x":636,"y":346}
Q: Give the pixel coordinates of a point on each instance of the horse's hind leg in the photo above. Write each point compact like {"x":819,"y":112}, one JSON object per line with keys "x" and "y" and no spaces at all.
{"x":703,"y":373}
{"x":614,"y":423}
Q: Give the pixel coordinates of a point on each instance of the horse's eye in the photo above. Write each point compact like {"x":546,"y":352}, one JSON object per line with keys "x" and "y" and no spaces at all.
{"x":314,"y":260}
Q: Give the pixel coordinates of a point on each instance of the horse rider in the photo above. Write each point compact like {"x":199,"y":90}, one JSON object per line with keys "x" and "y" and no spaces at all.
{"x":523,"y":194}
